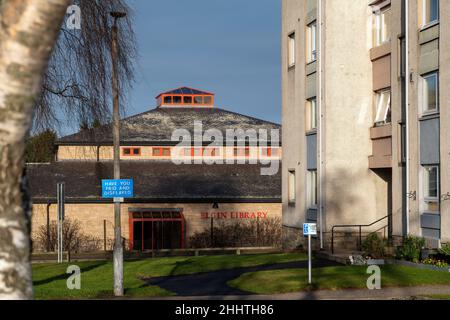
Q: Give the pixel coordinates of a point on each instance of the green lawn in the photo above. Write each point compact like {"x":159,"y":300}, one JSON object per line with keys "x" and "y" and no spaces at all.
{"x":96,"y":276}
{"x":333,"y":278}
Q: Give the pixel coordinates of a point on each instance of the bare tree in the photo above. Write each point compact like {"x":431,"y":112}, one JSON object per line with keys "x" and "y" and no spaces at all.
{"x":78,"y":80}
{"x":28,"y":32}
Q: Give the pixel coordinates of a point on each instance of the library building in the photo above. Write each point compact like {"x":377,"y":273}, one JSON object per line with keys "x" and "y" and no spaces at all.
{"x":172,"y":202}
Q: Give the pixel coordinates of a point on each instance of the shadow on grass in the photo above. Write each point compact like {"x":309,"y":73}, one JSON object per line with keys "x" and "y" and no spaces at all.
{"x":65,"y":275}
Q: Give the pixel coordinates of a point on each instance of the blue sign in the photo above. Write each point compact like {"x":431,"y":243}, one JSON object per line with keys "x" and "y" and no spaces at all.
{"x":309,"y":229}
{"x":122,"y":188}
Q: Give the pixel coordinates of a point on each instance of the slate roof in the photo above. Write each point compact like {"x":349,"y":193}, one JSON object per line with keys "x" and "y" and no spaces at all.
{"x":186,"y":90}
{"x":156,"y":126}
{"x":156,"y":181}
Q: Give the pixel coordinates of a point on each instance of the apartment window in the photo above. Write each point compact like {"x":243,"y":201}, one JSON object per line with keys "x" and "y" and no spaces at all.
{"x":161,"y":152}
{"x":430,"y":12}
{"x":430,"y":93}
{"x":312,"y":189}
{"x":311,"y":114}
{"x":311,"y":54}
{"x":431,"y":188}
{"x":291,"y":188}
{"x":129,"y":152}
{"x":431,"y":183}
{"x":381,"y":26}
{"x":291,"y":50}
{"x":383,"y":108}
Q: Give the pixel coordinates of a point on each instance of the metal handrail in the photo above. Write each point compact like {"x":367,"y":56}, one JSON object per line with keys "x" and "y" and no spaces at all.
{"x":360,"y":226}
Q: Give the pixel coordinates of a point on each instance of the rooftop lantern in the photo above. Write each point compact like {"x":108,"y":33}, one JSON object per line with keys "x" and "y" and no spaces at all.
{"x":186,"y":98}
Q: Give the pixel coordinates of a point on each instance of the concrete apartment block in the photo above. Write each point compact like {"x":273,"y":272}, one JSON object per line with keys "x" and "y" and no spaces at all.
{"x":367,"y":74}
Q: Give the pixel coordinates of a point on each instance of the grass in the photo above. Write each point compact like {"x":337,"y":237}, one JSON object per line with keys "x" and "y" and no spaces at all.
{"x":334,"y":278}
{"x":96,"y":276}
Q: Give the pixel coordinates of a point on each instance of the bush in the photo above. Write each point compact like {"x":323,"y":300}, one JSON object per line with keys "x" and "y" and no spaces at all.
{"x":255,"y":233}
{"x":445,"y":250}
{"x":411,"y":250}
{"x":74,"y":240}
{"x":374,"y":246}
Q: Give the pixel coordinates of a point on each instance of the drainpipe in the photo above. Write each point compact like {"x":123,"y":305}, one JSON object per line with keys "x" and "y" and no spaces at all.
{"x":407,"y":80}
{"x":321,"y":126}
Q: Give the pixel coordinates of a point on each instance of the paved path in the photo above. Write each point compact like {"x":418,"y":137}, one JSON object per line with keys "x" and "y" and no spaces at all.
{"x":353,"y":294}
{"x":215,"y":283}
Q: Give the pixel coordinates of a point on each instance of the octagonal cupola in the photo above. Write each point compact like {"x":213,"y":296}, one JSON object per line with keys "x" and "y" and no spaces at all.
{"x":185,"y":97}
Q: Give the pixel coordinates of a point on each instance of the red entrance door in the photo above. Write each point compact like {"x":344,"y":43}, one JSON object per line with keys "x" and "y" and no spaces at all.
{"x":152,"y":229}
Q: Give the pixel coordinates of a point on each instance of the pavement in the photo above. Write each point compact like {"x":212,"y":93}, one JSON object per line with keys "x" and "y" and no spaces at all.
{"x":404,"y":293}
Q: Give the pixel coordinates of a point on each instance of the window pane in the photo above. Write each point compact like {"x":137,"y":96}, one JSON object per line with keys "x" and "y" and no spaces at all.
{"x":127,"y":151}
{"x":167,"y":99}
{"x":291,"y":187}
{"x":431,"y":180}
{"x":207,"y":100}
{"x":156,"y":152}
{"x":136,"y":151}
{"x":383,"y":108}
{"x":166,"y":152}
{"x":198,"y":100}
{"x":312,"y":43}
{"x":177,"y":99}
{"x":187,"y":99}
{"x":431,"y":11}
{"x":291,"y":49}
{"x":430,"y":93}
{"x":313,"y":114}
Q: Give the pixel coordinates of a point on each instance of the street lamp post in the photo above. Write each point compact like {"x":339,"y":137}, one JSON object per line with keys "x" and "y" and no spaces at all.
{"x":118,"y":245}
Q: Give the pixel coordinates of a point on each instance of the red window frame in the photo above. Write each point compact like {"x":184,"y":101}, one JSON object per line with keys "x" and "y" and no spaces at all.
{"x":238,"y":152}
{"x":185,"y":99}
{"x":161,"y":152}
{"x":215,"y":152}
{"x":131,"y":154}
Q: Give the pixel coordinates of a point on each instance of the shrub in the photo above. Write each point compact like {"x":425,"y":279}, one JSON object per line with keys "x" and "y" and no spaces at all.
{"x":374,"y":246}
{"x":445,"y":250}
{"x":74,"y":240}
{"x":255,"y":233}
{"x":411,"y":250}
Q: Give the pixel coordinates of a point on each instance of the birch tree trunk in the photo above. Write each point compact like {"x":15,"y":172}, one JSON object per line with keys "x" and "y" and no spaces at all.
{"x":28,"y":32}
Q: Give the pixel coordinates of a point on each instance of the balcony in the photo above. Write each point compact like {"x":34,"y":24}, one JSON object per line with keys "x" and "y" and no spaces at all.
{"x":381,"y":157}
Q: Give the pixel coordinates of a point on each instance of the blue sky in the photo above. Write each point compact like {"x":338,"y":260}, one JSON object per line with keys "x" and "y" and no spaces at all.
{"x":229,"y":47}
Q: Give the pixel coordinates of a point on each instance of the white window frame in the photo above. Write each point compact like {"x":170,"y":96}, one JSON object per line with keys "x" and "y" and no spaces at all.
{"x":291,"y":49}
{"x":426,"y":23}
{"x":427,"y":198}
{"x":312,"y":42}
{"x":292,"y":192}
{"x":311,"y":104}
{"x":382,"y":35}
{"x":382,"y":109}
{"x":425,"y":94}
{"x":312,"y":188}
